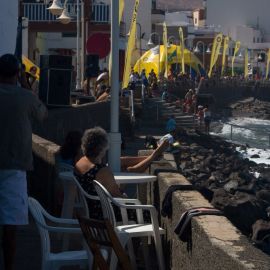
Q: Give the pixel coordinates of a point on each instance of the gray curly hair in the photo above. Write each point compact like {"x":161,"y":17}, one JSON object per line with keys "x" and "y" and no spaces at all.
{"x":94,"y":143}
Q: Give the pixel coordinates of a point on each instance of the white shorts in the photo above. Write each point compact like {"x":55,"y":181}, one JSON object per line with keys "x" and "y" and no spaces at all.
{"x":13,"y":198}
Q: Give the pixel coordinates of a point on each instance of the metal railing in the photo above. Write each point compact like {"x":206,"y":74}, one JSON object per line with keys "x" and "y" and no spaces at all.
{"x":131,"y":106}
{"x":100,"y":13}
{"x":37,"y":12}
{"x":245,"y":128}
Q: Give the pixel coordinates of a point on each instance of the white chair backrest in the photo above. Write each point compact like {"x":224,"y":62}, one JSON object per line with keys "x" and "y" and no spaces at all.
{"x":84,"y":196}
{"x":37,"y":212}
{"x":105,"y":199}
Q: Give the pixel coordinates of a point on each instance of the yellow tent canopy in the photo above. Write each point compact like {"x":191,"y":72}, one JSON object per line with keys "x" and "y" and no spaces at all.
{"x":150,"y":60}
{"x":29,"y":64}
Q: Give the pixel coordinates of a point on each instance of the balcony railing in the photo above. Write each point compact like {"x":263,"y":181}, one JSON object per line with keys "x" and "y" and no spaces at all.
{"x":100,"y":13}
{"x":37,"y":12}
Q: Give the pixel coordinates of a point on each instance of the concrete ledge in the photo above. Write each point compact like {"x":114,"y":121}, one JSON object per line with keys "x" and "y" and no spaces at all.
{"x":42,"y":181}
{"x":217,"y":244}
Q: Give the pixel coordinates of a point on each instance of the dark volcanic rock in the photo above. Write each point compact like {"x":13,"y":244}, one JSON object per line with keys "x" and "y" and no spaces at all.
{"x":255,"y":156}
{"x":264,"y":195}
{"x":214,"y":165}
{"x":242,"y":209}
{"x":261,"y":231}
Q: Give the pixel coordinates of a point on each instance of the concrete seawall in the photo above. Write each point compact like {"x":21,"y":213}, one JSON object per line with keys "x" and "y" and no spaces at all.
{"x":217,"y":244}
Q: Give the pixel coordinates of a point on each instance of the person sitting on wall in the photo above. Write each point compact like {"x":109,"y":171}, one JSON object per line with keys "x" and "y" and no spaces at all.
{"x":101,"y":89}
{"x":105,"y":96}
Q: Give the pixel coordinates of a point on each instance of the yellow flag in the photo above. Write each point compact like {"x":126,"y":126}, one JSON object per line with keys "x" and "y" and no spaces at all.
{"x":130,"y":45}
{"x":236,"y":49}
{"x":165,"y":43}
{"x":267,"y":64}
{"x":121,"y":10}
{"x":225,"y":48}
{"x":215,"y":52}
{"x":182,"y":48}
{"x":246,"y":63}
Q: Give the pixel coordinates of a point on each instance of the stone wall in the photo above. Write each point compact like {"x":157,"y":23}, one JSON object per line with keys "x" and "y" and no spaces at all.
{"x":224,"y":91}
{"x":63,"y":120}
{"x":43,"y":183}
{"x":217,"y":244}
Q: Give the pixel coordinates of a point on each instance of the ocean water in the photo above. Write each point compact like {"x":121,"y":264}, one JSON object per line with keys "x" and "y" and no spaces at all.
{"x":252,"y":132}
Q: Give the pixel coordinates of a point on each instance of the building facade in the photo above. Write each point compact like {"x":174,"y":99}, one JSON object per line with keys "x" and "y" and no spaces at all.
{"x":8,"y":26}
{"x":244,"y":20}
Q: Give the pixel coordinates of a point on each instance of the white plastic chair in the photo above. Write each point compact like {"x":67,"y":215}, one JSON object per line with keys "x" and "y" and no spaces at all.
{"x":136,"y":230}
{"x":53,"y":261}
{"x":71,"y":197}
{"x":84,"y":196}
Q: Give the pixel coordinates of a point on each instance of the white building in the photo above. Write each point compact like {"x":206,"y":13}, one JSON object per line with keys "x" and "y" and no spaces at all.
{"x":47,"y":42}
{"x":8,"y":26}
{"x":244,"y":20}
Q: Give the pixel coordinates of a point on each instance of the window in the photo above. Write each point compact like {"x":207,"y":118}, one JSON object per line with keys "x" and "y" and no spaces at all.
{"x":254,"y":40}
{"x":196,"y":21}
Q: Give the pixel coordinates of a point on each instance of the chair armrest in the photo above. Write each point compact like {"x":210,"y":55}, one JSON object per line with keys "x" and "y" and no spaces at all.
{"x":60,"y":229}
{"x":135,"y":206}
{"x":60,"y":220}
{"x":65,"y":230}
{"x":139,"y":211}
{"x":128,"y":201}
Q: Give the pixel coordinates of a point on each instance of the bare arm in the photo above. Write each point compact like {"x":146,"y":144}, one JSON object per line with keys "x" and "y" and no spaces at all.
{"x":106,"y":178}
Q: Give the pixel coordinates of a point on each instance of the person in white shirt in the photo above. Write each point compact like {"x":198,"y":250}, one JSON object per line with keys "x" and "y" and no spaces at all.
{"x":207,"y":118}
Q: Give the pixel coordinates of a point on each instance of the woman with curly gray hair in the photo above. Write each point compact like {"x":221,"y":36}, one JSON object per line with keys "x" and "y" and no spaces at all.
{"x":90,"y":167}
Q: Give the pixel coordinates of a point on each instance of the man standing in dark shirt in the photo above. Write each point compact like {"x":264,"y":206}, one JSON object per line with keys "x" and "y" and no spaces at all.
{"x":18,"y":107}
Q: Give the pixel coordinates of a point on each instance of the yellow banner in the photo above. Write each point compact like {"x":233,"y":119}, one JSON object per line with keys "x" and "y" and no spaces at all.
{"x":121,"y":10}
{"x":225,"y":48}
{"x":215,"y":52}
{"x":165,"y":43}
{"x":236,"y":49}
{"x":131,"y":45}
{"x":267,"y":64}
{"x":246,"y":63}
{"x":181,"y":35}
